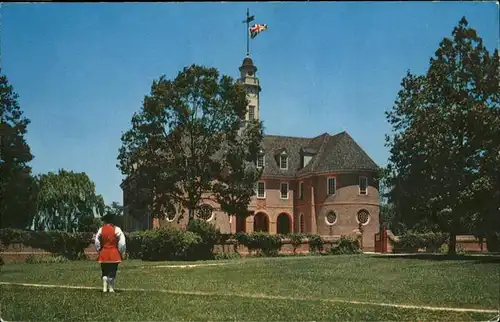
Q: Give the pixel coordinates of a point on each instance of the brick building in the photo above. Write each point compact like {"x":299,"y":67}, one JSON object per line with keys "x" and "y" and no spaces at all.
{"x":324,"y":185}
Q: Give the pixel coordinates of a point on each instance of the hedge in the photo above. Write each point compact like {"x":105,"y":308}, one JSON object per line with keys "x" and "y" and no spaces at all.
{"x":412,"y":242}
{"x":197,"y":242}
{"x":60,"y":243}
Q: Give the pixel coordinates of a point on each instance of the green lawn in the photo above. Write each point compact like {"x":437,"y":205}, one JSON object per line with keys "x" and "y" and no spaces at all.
{"x":258,"y":289}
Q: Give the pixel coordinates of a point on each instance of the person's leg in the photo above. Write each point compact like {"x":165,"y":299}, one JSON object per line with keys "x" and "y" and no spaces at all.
{"x":104,"y":275}
{"x":113,"y":268}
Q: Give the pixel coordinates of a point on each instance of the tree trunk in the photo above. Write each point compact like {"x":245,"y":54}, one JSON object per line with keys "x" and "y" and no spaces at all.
{"x":190,"y":215}
{"x":452,"y":244}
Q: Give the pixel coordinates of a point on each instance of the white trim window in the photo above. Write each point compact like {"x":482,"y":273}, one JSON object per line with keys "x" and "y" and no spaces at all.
{"x":284,"y":190}
{"x":301,"y":190}
{"x":251,"y":113}
{"x":363,"y":185}
{"x":261,"y":190}
{"x":283,"y":161}
{"x":331,"y":186}
{"x":331,"y":218}
{"x":261,"y":160}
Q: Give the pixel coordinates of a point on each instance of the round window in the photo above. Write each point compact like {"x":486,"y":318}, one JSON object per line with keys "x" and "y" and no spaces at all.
{"x":331,"y":218}
{"x":205,"y":213}
{"x":363,"y":217}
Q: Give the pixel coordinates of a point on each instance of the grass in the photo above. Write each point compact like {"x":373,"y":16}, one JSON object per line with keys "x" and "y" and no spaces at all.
{"x":258,"y":289}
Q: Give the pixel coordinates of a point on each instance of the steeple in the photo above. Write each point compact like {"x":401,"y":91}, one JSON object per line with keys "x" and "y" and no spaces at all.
{"x":252,"y":86}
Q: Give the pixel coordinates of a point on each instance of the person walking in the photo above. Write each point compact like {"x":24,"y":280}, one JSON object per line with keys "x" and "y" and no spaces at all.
{"x":110,"y":244}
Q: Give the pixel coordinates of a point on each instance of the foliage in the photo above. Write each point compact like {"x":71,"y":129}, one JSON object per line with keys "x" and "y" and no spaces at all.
{"x":134,"y":244}
{"x":316,"y":243}
{"x":493,"y":242}
{"x":9,"y":236}
{"x":345,"y":246}
{"x":264,"y":243}
{"x":235,"y":185}
{"x":44,"y":259}
{"x":296,"y":240}
{"x":18,"y":188}
{"x":181,"y":141}
{"x":68,"y":245}
{"x":209,"y":234}
{"x":225,"y":256}
{"x":412,"y":241}
{"x":445,"y":140}
{"x":64,"y":199}
{"x":169,"y":244}
{"x":116,"y":211}
{"x":460,"y":249}
{"x":88,"y":224}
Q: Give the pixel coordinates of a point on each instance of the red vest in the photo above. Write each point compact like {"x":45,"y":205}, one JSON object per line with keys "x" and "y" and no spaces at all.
{"x":109,"y":245}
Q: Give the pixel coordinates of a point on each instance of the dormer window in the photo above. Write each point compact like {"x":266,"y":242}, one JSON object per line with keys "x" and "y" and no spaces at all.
{"x":307,"y":155}
{"x":260,"y":160}
{"x":283,"y":161}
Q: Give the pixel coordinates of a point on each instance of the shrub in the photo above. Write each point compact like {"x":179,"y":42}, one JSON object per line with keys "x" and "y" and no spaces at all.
{"x":224,"y":238}
{"x":10,"y":236}
{"x":168,"y":243}
{"x":209,"y":234}
{"x":412,"y":241}
{"x":493,"y":242}
{"x":345,"y":245}
{"x":70,"y":245}
{"x":296,"y":240}
{"x":316,"y":243}
{"x":267,"y":245}
{"x":134,"y":245}
{"x":44,"y":259}
{"x":222,"y":256}
{"x":460,"y":250}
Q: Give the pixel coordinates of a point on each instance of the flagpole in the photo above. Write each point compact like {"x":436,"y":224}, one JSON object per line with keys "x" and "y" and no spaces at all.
{"x":248,"y":32}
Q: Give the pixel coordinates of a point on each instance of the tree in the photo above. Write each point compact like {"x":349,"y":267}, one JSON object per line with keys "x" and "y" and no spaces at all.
{"x":183,"y":139}
{"x":88,"y":223}
{"x":445,"y":135}
{"x":18,"y":188}
{"x":114,"y":209}
{"x":66,"y":198}
{"x":235,"y":186}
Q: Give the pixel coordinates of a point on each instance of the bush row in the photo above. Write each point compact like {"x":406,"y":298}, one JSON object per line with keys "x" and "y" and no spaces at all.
{"x":195,"y":243}
{"x":412,"y":241}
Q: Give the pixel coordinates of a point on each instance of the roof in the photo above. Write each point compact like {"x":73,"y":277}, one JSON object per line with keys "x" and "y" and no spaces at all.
{"x":330,"y":153}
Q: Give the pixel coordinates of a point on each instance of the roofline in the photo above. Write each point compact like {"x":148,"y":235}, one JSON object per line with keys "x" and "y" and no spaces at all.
{"x":314,"y":173}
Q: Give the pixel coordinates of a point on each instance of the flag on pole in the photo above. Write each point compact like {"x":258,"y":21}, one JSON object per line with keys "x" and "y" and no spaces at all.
{"x":256,"y":29}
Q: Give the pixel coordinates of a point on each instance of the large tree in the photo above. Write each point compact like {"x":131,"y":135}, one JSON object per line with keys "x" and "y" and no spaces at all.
{"x":235,"y":186}
{"x":184,"y":139}
{"x":17,"y":186}
{"x":446,"y":136}
{"x":65,"y":199}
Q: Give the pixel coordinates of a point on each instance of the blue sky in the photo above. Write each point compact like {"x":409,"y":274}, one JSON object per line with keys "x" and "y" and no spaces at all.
{"x":81,"y":70}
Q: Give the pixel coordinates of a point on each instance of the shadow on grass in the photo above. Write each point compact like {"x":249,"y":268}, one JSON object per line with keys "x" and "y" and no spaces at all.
{"x":480,"y":259}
